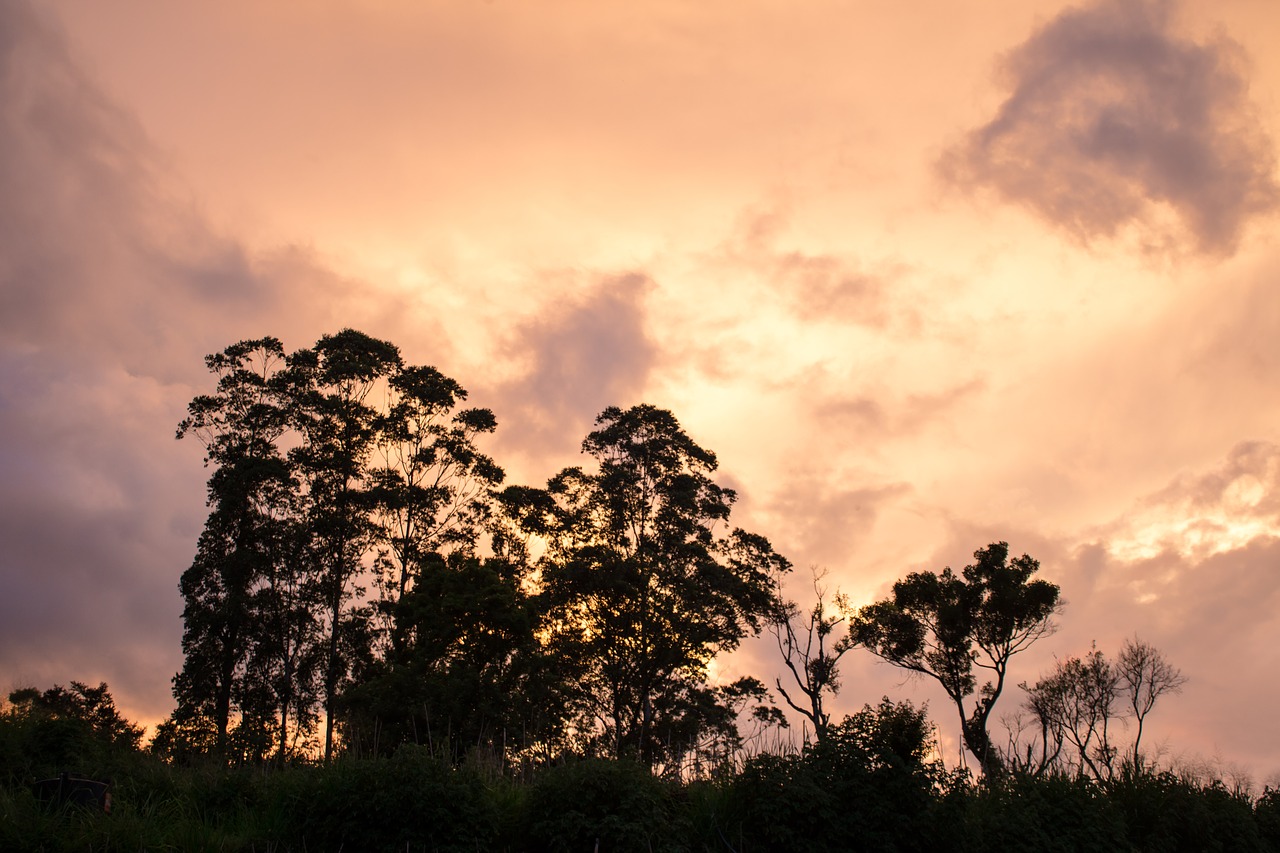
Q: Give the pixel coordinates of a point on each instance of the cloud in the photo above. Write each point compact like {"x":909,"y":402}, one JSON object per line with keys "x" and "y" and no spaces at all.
{"x":815,"y":522}
{"x":112,"y":289}
{"x":1113,"y":117}
{"x":1190,"y":569}
{"x":1200,"y":515}
{"x":882,"y":416}
{"x":819,"y":286}
{"x":580,"y":357}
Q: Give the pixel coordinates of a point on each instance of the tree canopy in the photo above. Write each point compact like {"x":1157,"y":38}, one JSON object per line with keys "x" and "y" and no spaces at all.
{"x":641,"y":583}
{"x":955,"y":627}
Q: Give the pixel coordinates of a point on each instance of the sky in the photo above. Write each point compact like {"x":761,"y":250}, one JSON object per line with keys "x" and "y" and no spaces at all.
{"x":923,"y":276}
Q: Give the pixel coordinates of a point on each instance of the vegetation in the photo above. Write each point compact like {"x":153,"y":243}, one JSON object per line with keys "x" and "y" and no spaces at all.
{"x":386,"y":649}
{"x":946,"y":626}
{"x":872,"y":784}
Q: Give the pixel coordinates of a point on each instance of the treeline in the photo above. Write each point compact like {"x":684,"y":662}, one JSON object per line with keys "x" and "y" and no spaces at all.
{"x":870,"y":785}
{"x":365,"y":579}
{"x":386,"y":647}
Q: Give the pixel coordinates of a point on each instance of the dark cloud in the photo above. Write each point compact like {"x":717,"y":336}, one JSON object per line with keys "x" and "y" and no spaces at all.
{"x":1113,"y":116}
{"x":581,"y":357}
{"x":111,"y":292}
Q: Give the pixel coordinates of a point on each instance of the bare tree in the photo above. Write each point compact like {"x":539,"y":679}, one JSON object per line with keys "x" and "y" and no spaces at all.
{"x":1145,"y":675}
{"x":811,"y":651}
{"x":1076,"y":705}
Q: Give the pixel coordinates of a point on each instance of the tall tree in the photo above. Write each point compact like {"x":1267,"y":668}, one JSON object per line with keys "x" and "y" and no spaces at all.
{"x":430,"y":485}
{"x":640,"y":587}
{"x":330,"y":385}
{"x":951,"y":627}
{"x":248,"y":495}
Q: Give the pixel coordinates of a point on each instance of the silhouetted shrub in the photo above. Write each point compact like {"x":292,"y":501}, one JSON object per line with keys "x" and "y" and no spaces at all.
{"x":617,"y":805}
{"x":412,"y":799}
{"x":1266,"y":815}
{"x":1047,"y":814}
{"x":1167,"y":814}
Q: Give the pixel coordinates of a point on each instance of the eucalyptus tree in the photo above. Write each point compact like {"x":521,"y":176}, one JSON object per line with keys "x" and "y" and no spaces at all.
{"x":429,"y":484}
{"x":249,"y":495}
{"x":952,"y":627}
{"x":329,"y":387}
{"x":641,"y":583}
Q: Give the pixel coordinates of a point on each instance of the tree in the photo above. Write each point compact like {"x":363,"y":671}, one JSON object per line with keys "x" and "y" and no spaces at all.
{"x":92,"y":708}
{"x":1144,"y":676}
{"x":249,"y":495}
{"x":329,"y":385}
{"x":460,"y":678}
{"x":946,"y":626}
{"x":62,"y":729}
{"x":638,"y":588}
{"x":1076,"y":704}
{"x":813,"y":660}
{"x":431,"y":492}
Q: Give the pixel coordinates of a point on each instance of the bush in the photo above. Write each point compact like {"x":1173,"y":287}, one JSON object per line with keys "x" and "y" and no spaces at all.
{"x":411,"y":800}
{"x":617,"y":805}
{"x":1051,"y":814}
{"x":1166,"y":814}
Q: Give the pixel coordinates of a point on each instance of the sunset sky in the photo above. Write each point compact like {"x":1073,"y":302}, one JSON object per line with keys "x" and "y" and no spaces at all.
{"x":924,"y":276}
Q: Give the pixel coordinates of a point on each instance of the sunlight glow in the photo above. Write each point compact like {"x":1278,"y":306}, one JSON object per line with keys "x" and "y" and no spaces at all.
{"x":1194,"y":538}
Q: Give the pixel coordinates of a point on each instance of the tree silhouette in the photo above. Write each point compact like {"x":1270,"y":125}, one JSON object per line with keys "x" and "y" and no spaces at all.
{"x":946,"y":626}
{"x":329,"y":386}
{"x":811,"y":645}
{"x":243,"y":541}
{"x":639,"y":589}
{"x":1075,"y":705}
{"x":1145,"y":675}
{"x":430,"y":486}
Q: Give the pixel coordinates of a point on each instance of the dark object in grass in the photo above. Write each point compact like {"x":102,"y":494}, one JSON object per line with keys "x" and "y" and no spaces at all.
{"x":89,"y":793}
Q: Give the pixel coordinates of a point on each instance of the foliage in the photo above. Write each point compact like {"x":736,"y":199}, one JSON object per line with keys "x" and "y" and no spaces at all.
{"x":412,"y":800}
{"x":1166,"y":813}
{"x":947,"y":625}
{"x":871,"y":785}
{"x":1053,"y":813}
{"x":638,"y":588}
{"x":604,"y":805}
{"x":466,"y":673}
{"x":868,"y":785}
